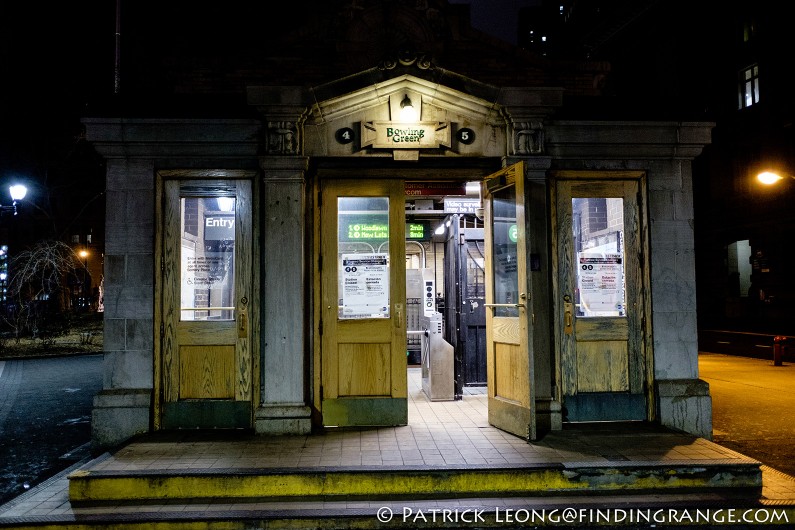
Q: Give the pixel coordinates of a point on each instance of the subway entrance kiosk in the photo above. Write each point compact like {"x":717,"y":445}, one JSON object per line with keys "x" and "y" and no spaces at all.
{"x":279,"y":255}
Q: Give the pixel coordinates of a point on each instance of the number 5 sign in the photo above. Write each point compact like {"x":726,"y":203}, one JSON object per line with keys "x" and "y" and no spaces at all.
{"x":465,"y":136}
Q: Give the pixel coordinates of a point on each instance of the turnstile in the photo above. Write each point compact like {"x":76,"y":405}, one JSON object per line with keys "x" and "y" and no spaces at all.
{"x":438,"y":380}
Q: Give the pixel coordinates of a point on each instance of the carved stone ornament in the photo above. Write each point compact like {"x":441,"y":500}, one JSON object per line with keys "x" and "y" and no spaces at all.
{"x":406,"y":58}
{"x":529,"y":138}
{"x":282,"y":138}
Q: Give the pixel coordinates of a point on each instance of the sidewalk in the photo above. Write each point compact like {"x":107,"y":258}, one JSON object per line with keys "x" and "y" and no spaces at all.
{"x":442,"y":437}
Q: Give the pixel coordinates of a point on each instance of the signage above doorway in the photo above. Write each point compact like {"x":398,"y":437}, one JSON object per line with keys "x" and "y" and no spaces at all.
{"x":395,"y":135}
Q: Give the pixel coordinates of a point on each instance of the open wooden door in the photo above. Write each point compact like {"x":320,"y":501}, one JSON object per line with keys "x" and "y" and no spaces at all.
{"x":363,"y":295}
{"x":601,"y":308}
{"x":205,"y":281}
{"x":509,"y":364}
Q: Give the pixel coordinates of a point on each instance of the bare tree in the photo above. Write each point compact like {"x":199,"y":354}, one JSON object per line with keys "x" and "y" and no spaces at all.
{"x":38,"y":287}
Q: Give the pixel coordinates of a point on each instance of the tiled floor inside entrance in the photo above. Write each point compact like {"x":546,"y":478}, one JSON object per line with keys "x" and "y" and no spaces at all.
{"x":439,"y":433}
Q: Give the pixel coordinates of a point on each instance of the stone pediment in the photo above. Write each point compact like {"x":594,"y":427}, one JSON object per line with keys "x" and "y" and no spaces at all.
{"x":364,"y":114}
{"x":374,"y":117}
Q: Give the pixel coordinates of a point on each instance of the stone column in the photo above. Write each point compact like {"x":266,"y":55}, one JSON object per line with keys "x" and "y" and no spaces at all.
{"x":284,"y":339}
{"x":121,"y":409}
{"x":684,"y":401}
{"x":284,"y":378}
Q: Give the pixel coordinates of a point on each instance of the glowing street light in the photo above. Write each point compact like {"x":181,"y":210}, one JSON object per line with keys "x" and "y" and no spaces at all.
{"x":17,"y":192}
{"x":84,"y":254}
{"x":770,"y":177}
{"x":83,"y":299}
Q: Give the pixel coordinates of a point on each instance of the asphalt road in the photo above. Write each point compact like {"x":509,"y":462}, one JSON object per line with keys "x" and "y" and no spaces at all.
{"x":45,"y":413}
{"x":753,"y":407}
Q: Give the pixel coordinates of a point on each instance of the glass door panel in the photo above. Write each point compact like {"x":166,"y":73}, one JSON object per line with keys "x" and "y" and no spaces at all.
{"x":207,"y":258}
{"x":363,"y":255}
{"x":505,"y":253}
{"x":598,"y":225}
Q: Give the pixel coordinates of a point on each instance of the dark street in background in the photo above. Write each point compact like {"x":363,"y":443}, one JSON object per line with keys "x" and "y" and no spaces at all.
{"x":45,"y":417}
{"x":746,"y":344}
{"x":753,"y":407}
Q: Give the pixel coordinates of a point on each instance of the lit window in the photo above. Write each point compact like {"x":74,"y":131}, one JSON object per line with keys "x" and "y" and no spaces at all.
{"x":749,"y":87}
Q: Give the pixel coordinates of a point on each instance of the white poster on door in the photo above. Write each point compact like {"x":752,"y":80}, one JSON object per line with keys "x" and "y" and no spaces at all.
{"x":600,"y":278}
{"x":365,"y":285}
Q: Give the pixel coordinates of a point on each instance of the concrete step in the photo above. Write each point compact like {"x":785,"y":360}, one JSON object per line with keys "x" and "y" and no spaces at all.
{"x":97,"y":487}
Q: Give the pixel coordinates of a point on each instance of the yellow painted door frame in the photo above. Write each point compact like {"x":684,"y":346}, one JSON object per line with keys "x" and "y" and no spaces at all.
{"x":509,"y":359}
{"x":361,"y":330}
{"x":602,"y":301}
{"x":206,"y":310}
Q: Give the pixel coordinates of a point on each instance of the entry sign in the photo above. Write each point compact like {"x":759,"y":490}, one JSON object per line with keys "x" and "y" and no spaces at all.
{"x":219,"y":227}
{"x":365,"y":285}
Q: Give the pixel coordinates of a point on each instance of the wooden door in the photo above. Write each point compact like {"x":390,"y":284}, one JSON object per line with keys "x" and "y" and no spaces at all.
{"x":205,"y":280}
{"x":600,"y":311}
{"x":509,"y":364}
{"x":363,"y":295}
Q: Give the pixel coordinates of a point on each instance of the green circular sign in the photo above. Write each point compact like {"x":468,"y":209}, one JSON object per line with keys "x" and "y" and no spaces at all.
{"x":513,"y":233}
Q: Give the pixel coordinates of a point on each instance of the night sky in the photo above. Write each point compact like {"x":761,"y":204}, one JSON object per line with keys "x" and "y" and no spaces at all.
{"x":55,"y":57}
{"x":496,"y":17}
{"x":57,"y":60}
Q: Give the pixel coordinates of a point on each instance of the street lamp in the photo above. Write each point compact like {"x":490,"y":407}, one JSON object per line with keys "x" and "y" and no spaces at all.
{"x":17,"y":192}
{"x":86,"y":277}
{"x":771,"y":177}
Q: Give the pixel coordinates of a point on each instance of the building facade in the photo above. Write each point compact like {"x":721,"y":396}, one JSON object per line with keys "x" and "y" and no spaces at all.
{"x":259,"y":256}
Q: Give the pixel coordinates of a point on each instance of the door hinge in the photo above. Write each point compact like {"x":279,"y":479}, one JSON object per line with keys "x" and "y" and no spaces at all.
{"x":162,"y":264}
{"x":162,"y":330}
{"x":320,"y":327}
{"x":320,"y":263}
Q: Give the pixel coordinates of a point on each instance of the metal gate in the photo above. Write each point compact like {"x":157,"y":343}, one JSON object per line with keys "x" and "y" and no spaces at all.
{"x":464,"y":310}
